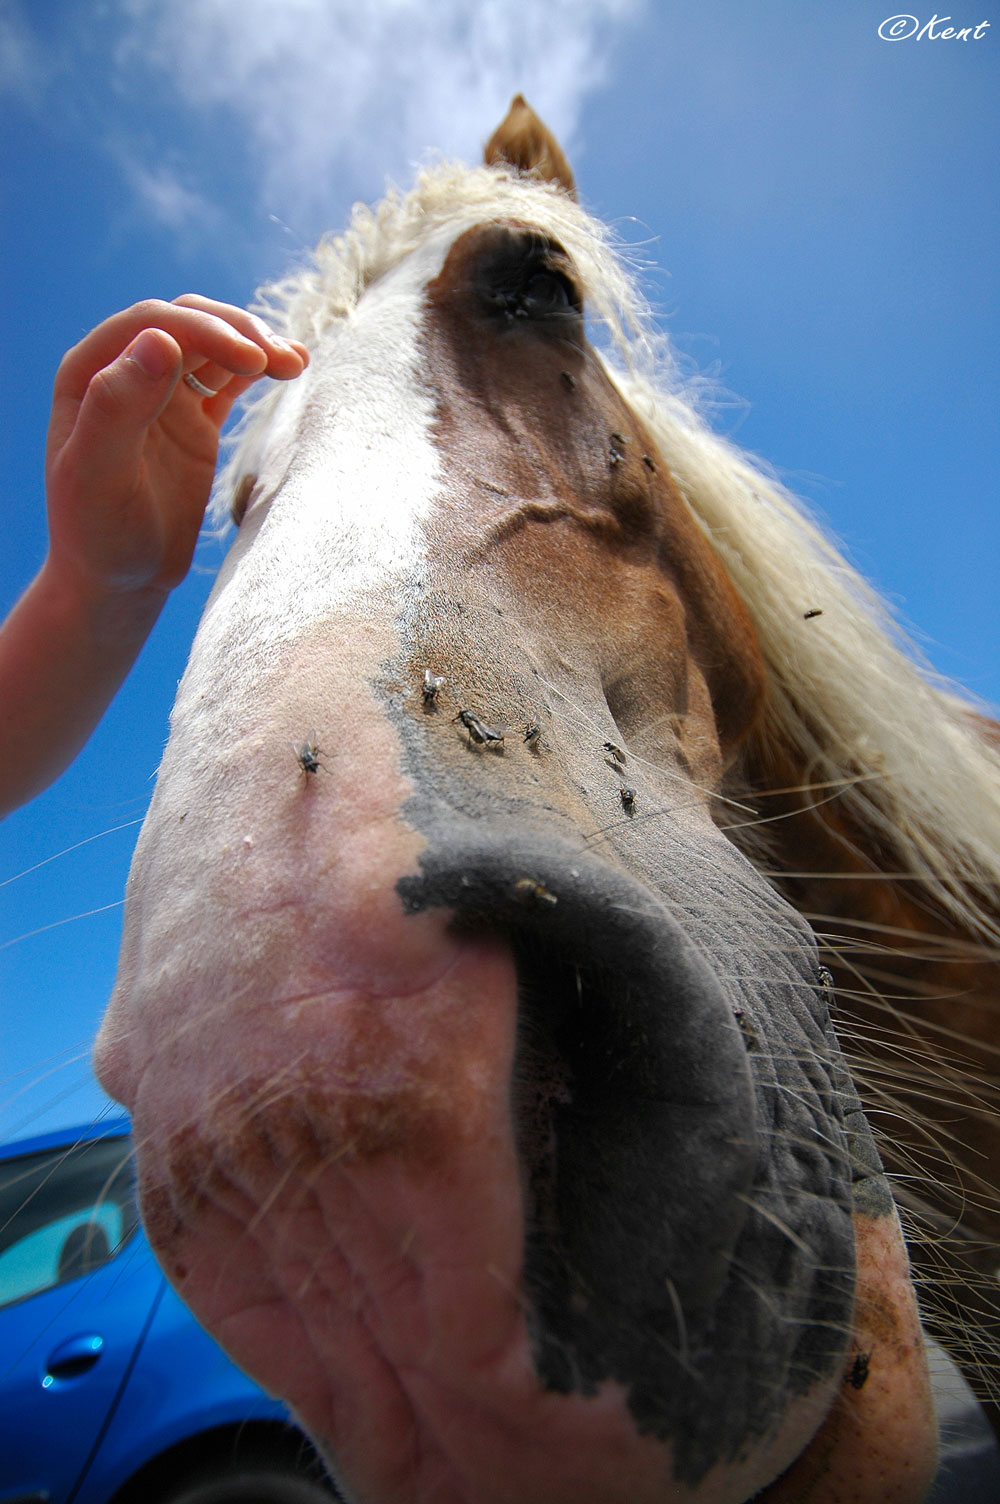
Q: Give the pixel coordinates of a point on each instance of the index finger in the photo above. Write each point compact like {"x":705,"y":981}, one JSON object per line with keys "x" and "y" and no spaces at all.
{"x":284,"y":357}
{"x":198,"y":332}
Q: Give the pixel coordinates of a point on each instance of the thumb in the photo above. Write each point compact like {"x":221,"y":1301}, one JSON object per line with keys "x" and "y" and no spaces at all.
{"x":120,"y":403}
{"x":149,"y":369}
{"x":134,"y":388}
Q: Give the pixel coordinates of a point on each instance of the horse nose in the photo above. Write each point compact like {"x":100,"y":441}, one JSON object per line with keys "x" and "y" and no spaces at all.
{"x":557,"y":1130}
{"x":630,"y":1077}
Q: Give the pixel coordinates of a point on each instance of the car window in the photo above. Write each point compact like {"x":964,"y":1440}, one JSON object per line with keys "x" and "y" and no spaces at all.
{"x":63,"y":1213}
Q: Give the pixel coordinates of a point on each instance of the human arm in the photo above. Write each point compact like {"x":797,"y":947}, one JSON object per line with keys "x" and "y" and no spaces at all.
{"x":130,"y":459}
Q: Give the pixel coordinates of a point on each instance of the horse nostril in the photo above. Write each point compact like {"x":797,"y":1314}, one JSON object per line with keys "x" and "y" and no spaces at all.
{"x":652,"y":1090}
{"x":629,"y":1073}
{"x":627,"y":696}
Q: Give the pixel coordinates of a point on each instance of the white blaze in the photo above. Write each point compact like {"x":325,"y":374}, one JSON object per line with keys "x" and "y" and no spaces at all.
{"x":348,"y":473}
{"x":235,"y":841}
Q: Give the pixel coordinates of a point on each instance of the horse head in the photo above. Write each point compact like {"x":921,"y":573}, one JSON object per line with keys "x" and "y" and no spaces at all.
{"x":488,"y":1103}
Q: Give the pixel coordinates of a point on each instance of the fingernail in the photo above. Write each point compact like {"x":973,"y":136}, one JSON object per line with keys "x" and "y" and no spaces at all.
{"x":283,"y":344}
{"x":150,"y":355}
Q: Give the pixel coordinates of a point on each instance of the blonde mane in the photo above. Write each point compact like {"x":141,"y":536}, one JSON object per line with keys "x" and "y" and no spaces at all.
{"x":849,"y":695}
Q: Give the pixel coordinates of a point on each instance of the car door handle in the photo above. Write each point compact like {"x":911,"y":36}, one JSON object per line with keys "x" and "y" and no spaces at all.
{"x":73,"y":1357}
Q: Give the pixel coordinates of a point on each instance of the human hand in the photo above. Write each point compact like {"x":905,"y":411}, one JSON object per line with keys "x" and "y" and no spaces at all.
{"x":132,"y":449}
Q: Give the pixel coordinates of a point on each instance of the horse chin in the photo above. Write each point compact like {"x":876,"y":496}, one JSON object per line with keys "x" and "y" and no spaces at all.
{"x":374,"y":1277}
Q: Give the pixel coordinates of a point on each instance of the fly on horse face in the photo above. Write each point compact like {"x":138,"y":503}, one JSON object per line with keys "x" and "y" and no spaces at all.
{"x":488,"y":1101}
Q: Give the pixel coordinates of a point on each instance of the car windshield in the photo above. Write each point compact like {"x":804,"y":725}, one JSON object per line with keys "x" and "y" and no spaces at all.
{"x":63,"y":1213}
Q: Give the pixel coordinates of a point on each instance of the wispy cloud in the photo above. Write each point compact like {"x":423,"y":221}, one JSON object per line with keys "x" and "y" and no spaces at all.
{"x":22,"y":69}
{"x":167,"y":199}
{"x":332,"y":96}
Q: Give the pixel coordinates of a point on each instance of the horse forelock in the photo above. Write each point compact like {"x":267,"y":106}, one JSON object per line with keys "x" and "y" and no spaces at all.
{"x":850,"y":698}
{"x":453,"y":198}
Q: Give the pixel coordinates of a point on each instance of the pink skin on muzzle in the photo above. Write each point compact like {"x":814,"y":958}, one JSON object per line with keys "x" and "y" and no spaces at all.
{"x":320,"y":1085}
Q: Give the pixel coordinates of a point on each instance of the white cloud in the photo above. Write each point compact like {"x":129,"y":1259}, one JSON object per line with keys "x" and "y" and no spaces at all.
{"x":22,"y":72}
{"x":166,"y":199}
{"x":347,"y":92}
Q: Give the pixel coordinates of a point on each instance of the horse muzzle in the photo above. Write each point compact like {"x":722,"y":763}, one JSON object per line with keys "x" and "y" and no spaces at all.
{"x":466,"y":1147}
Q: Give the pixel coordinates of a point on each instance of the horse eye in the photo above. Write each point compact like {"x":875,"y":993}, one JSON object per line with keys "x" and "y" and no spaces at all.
{"x":548,"y":292}
{"x":524,"y":278}
{"x":241,"y":500}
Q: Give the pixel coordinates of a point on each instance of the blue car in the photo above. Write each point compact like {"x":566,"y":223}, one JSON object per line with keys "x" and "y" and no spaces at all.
{"x":110,"y":1391}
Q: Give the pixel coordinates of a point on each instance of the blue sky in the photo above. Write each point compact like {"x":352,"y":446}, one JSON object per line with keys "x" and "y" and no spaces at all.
{"x":820,"y":205}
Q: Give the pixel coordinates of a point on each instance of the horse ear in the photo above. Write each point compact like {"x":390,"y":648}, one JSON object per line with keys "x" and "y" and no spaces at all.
{"x":523,"y":141}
